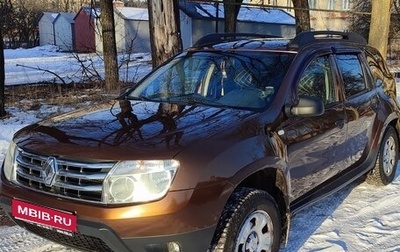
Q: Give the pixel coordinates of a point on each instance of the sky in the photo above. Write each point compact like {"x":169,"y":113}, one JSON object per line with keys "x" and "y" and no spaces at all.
{"x":360,"y":217}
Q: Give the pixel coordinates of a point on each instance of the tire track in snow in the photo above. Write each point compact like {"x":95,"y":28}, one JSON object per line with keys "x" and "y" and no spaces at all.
{"x":360,"y":217}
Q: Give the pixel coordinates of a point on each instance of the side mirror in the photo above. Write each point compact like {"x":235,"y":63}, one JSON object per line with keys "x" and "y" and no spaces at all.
{"x":123,"y":93}
{"x":123,"y":90}
{"x":307,"y":106}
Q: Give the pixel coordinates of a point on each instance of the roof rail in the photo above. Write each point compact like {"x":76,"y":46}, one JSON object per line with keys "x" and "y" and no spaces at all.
{"x":308,"y":37}
{"x":214,"y":38}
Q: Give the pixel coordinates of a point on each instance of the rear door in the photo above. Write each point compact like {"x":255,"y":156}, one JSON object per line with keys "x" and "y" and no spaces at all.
{"x":361,"y":102}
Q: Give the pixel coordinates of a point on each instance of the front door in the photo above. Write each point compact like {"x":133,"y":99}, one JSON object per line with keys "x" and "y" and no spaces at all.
{"x":315,"y":145}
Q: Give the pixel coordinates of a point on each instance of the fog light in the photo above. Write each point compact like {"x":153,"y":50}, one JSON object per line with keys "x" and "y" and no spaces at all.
{"x":173,"y":247}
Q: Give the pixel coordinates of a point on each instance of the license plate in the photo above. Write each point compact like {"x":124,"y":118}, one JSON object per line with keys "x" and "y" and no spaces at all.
{"x":44,"y":216}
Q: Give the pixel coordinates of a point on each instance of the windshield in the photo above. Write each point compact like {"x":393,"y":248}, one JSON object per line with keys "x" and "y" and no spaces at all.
{"x":240,"y":79}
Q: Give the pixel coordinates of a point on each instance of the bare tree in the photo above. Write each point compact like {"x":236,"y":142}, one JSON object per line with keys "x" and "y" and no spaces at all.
{"x":380,"y":23}
{"x":2,"y":76}
{"x":66,"y":5}
{"x":394,"y":34}
{"x":165,"y":38}
{"x":70,"y":5}
{"x":22,"y":25}
{"x":302,"y":15}
{"x":138,"y":4}
{"x":231,"y":11}
{"x":360,"y":21}
{"x":109,"y":45}
{"x":5,"y":7}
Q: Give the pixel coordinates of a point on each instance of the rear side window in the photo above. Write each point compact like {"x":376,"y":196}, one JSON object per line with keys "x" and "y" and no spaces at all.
{"x":380,"y":72}
{"x":352,"y":74}
{"x":377,"y":74}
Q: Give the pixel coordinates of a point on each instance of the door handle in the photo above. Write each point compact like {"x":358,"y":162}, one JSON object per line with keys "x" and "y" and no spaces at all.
{"x":374,"y":103}
{"x":340,"y":124}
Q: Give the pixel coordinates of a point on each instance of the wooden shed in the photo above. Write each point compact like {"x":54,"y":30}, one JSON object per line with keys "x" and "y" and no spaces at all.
{"x":86,"y":26}
{"x":196,"y":20}
{"x":199,"y":19}
{"x":131,"y":30}
{"x":46,"y":29}
{"x":64,"y":31}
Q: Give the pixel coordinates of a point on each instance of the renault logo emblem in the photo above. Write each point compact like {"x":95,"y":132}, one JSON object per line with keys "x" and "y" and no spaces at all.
{"x":49,"y":171}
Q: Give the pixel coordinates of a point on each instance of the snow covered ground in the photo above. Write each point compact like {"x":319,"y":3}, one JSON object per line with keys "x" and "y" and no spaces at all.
{"x":360,"y":217}
{"x":22,"y":66}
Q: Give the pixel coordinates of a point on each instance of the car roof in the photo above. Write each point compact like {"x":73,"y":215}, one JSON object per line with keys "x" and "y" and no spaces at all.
{"x":253,"y":41}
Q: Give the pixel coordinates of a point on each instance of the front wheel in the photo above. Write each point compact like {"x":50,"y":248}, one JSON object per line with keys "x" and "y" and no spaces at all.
{"x":250,"y":222}
{"x":386,"y":163}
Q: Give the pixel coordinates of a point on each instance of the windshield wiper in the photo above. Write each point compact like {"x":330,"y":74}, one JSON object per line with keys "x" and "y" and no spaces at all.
{"x":191,"y":99}
{"x":184,"y":99}
{"x":139,"y":98}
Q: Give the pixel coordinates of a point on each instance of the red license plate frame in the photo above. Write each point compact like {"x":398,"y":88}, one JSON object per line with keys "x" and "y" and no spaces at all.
{"x":47,"y":217}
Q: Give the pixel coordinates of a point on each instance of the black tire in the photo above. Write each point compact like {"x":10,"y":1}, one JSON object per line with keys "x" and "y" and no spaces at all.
{"x":256,"y":210}
{"x":386,"y":163}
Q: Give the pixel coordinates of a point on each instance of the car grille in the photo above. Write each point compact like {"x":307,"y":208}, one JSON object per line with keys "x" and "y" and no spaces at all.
{"x":77,"y":180}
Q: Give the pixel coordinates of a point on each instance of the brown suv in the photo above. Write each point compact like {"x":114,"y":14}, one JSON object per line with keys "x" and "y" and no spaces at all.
{"x":213,"y":151}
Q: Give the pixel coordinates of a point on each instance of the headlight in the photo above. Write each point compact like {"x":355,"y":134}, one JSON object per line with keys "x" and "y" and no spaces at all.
{"x":139,"y":181}
{"x":9,"y":162}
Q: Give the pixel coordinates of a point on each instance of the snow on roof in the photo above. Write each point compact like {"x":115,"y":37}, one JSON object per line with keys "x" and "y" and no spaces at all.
{"x":54,"y":15}
{"x":265,"y":15}
{"x":208,"y":10}
{"x":49,"y":15}
{"x":246,"y":13}
{"x":92,"y":12}
{"x":132,"y":13}
{"x":204,"y":10}
{"x":67,"y":16}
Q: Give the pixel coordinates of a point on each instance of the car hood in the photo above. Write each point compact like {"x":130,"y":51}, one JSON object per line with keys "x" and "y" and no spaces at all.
{"x":127,"y":130}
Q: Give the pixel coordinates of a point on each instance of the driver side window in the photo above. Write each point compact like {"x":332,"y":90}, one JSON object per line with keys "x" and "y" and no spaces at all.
{"x":317,"y":80}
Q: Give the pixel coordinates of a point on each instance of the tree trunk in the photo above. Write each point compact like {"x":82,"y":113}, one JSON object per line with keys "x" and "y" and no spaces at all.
{"x":231,"y":11}
{"x":2,"y":76}
{"x":5,"y":10}
{"x":109,"y":45}
{"x":380,"y":22}
{"x":165,"y":38}
{"x":302,"y":15}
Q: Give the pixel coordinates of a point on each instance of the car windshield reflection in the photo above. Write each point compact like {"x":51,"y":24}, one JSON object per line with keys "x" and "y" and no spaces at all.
{"x":239,"y":79}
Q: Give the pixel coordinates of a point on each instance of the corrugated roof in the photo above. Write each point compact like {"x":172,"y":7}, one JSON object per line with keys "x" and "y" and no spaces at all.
{"x":265,"y":15}
{"x":132,"y":13}
{"x":249,"y":14}
{"x":67,"y":16}
{"x":208,"y":11}
{"x":92,"y":12}
{"x":49,"y":15}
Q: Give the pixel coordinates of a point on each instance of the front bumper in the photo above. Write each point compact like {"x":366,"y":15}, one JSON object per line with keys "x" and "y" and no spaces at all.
{"x":189,"y":224}
{"x":93,"y":236}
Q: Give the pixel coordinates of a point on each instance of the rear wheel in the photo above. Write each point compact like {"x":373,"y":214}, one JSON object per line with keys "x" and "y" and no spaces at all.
{"x":250,"y":223}
{"x":386,"y":163}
